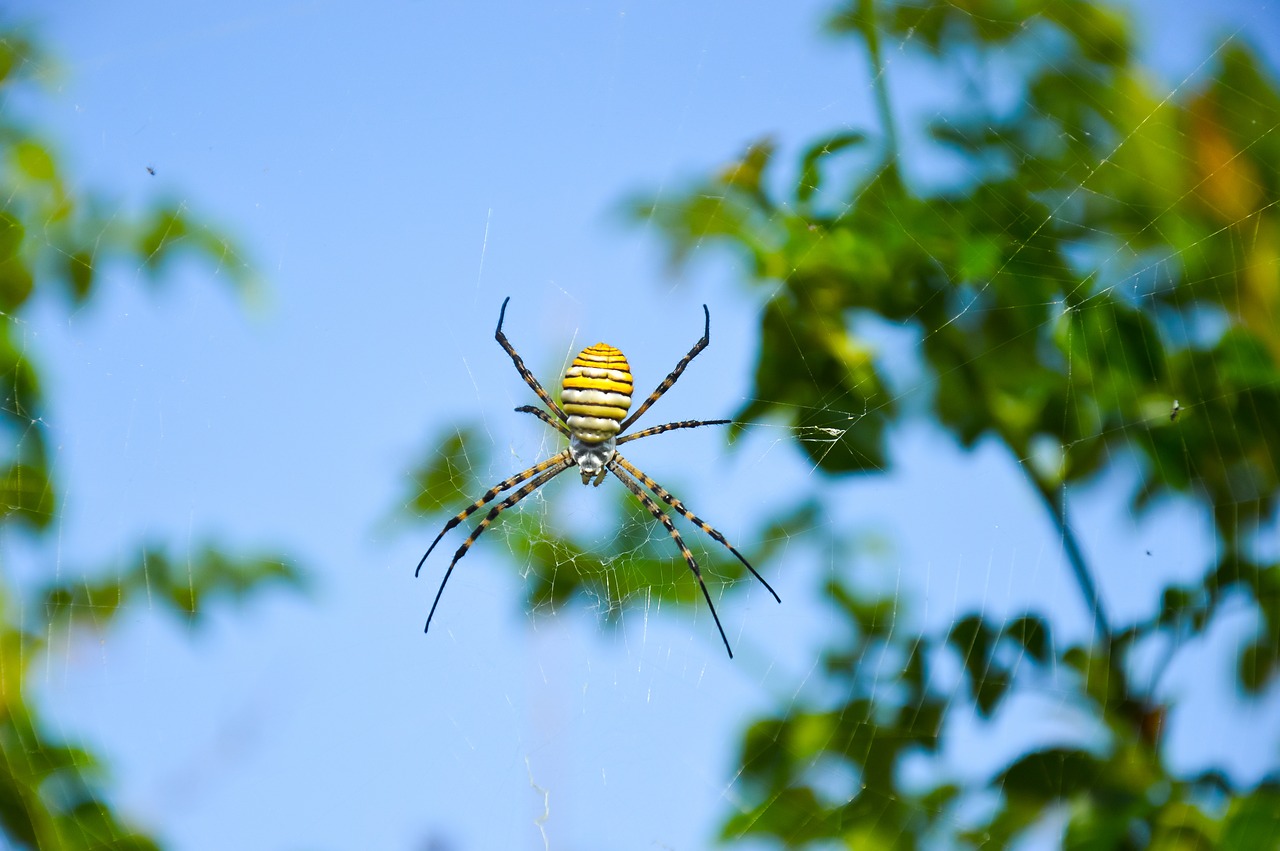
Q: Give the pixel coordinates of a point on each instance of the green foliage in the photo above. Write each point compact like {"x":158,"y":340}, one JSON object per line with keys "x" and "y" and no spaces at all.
{"x":1099,"y":285}
{"x":183,"y":583}
{"x":53,"y":796}
{"x":1110,"y":251}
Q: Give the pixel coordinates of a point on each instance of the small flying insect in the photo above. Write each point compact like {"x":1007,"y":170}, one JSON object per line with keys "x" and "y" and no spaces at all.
{"x":1175,"y":412}
{"x":595,"y":396}
{"x":151,"y":170}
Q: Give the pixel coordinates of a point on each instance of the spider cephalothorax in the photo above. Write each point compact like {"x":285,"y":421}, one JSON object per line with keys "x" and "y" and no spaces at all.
{"x":595,"y":397}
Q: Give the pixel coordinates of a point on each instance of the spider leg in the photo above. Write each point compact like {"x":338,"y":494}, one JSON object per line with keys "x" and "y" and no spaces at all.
{"x":489,"y":496}
{"x":675,"y":374}
{"x":666,"y":427}
{"x":675,"y":536}
{"x":564,"y":464}
{"x":665,"y":496}
{"x":545,"y":417}
{"x":524,"y":370}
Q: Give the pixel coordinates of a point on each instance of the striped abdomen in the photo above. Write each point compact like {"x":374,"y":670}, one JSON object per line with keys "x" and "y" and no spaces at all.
{"x":596,"y":393}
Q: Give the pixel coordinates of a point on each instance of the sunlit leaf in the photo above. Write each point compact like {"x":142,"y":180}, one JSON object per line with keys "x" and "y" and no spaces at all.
{"x":34,"y":160}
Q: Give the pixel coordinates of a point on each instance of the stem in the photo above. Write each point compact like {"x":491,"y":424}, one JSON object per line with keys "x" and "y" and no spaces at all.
{"x":1075,"y":557}
{"x":866,"y":16}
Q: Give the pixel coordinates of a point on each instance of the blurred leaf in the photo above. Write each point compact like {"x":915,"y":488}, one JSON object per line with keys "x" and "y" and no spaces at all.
{"x":795,"y":814}
{"x":34,"y":160}
{"x":20,"y":383}
{"x":1258,"y":664}
{"x":1101,"y":32}
{"x":26,"y":496}
{"x":166,"y":230}
{"x":16,"y":284}
{"x":1182,"y":826}
{"x":11,"y":233}
{"x":810,"y":176}
{"x":975,"y":641}
{"x":1251,"y":821}
{"x":446,"y":481}
{"x":186,"y":584}
{"x":748,"y":173}
{"x":1032,"y":634}
{"x":80,"y":275}
{"x":829,"y":402}
{"x":51,"y":794}
{"x":1054,"y":774}
{"x":16,"y":52}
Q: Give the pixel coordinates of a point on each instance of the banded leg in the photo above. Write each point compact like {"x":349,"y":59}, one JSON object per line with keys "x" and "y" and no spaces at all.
{"x":675,"y":536}
{"x":522,"y":369}
{"x":666,"y":427}
{"x":489,"y":496}
{"x":545,"y":417}
{"x":675,"y":374}
{"x":665,"y":496}
{"x":565,"y":463}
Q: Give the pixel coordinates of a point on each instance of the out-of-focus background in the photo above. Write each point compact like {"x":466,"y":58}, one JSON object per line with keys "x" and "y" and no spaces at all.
{"x":993,"y":292}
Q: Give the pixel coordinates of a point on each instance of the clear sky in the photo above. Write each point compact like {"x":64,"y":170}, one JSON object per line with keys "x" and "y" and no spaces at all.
{"x":395,"y":170}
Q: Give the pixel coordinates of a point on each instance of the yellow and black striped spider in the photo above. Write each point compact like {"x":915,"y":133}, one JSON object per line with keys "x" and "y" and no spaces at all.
{"x":595,"y":396}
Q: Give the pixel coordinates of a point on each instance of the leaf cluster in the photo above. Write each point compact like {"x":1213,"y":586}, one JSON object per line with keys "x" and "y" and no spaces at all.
{"x":58,"y":241}
{"x":1097,"y":287}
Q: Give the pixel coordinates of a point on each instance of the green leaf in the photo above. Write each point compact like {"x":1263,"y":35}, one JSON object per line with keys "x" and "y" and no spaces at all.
{"x":1257,"y":665}
{"x":16,"y":284}
{"x":1250,"y":824}
{"x":975,"y":641}
{"x":1100,"y":31}
{"x":1032,"y":634}
{"x":794,"y":814}
{"x":16,"y":53}
{"x":817,"y":376}
{"x":26,"y":496}
{"x":80,"y":275}
{"x":34,"y":160}
{"x":167,"y":229}
{"x":810,"y":176}
{"x":446,"y":480}
{"x":186,"y":583}
{"x":748,"y":172}
{"x":11,"y":233}
{"x":1051,"y":775}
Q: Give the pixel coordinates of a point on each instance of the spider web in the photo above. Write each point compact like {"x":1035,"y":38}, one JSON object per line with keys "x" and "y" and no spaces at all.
{"x":608,"y":716}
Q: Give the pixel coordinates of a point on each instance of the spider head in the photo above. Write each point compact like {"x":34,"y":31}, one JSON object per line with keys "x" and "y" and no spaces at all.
{"x":591,"y":457}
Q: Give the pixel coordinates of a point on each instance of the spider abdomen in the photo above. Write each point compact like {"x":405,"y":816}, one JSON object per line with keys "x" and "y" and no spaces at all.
{"x":596,"y":393}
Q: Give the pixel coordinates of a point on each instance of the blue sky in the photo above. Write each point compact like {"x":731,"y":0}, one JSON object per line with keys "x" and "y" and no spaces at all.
{"x":394,"y":172}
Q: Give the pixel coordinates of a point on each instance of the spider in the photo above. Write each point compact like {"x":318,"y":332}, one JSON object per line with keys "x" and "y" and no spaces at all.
{"x":594,"y":398}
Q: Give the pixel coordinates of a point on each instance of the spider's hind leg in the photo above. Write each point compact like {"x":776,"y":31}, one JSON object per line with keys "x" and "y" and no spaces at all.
{"x":556,"y":469}
{"x":662,"y":518}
